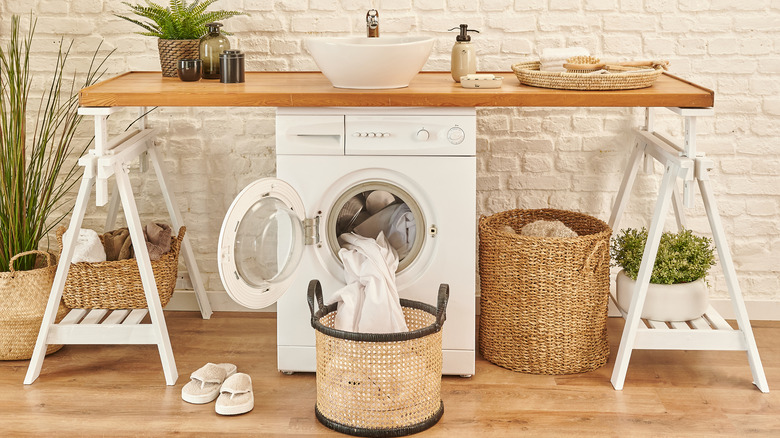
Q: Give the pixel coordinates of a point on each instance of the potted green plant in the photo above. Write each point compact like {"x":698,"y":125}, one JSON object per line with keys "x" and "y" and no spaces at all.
{"x":178,"y":27}
{"x":677,"y":290}
{"x":36,"y":171}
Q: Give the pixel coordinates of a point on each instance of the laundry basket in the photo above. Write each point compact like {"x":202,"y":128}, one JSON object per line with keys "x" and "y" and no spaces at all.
{"x":117,"y":284}
{"x":379,"y":384}
{"x":543,"y":300}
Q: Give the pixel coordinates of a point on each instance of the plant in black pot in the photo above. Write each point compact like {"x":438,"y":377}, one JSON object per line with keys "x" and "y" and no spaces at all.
{"x":36,"y":172}
{"x":178,"y":27}
{"x":677,"y":290}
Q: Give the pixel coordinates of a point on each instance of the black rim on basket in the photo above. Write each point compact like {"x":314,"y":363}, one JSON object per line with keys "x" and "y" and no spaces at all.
{"x":315,"y":293}
{"x":394,"y":432}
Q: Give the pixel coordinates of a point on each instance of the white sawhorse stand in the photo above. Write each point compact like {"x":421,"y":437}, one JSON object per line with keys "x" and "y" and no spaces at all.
{"x":711,"y":331}
{"x":82,"y":326}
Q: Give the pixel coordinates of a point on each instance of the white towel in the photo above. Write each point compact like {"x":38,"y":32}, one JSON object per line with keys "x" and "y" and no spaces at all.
{"x":88,"y":247}
{"x":369,"y":303}
{"x":397,"y":222}
{"x":552,"y":59}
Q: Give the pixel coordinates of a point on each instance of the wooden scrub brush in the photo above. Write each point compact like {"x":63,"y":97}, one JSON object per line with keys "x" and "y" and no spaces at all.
{"x":583,"y":64}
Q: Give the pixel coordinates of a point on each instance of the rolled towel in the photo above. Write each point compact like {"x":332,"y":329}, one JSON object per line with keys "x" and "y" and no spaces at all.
{"x":88,"y":248}
{"x":117,"y":244}
{"x":158,"y":239}
{"x":552,"y":59}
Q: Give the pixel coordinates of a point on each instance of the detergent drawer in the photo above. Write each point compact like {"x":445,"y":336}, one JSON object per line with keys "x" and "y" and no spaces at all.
{"x":298,"y":134}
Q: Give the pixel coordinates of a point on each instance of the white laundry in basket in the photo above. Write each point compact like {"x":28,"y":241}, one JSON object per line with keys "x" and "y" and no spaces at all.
{"x":369,"y":303}
{"x":396,"y":221}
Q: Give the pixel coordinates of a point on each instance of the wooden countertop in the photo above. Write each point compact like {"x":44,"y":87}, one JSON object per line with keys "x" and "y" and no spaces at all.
{"x":429,"y":89}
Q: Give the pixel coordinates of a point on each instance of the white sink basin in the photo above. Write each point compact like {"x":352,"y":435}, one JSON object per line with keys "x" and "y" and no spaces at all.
{"x":370,"y":63}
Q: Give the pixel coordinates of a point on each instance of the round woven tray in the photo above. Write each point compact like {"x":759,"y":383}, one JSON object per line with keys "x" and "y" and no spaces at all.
{"x":628,"y":78}
{"x":379,"y":384}
{"x":543,"y":300}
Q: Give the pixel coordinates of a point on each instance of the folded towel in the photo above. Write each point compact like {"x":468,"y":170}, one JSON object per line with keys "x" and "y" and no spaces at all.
{"x":88,"y":248}
{"x":542,"y":228}
{"x":119,"y":246}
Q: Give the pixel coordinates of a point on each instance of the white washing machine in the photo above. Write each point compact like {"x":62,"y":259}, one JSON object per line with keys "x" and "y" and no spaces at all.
{"x":282,"y":232}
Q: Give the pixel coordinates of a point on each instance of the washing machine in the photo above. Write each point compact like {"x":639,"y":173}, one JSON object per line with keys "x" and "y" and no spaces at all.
{"x":280,"y":233}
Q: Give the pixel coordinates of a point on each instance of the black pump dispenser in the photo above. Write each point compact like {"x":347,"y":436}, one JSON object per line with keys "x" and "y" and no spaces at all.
{"x":464,"y":36}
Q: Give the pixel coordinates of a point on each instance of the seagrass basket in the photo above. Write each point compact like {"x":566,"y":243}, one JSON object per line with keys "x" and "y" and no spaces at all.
{"x":379,"y":384}
{"x":543,"y":300}
{"x":23,"y":299}
{"x":171,"y":51}
{"x":117,"y":284}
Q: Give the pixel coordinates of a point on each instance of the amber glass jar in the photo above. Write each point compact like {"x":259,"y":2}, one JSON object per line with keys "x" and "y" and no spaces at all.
{"x":211,"y":46}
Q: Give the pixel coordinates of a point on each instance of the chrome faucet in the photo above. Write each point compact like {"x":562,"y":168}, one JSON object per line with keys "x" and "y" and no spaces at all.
{"x":372,"y":23}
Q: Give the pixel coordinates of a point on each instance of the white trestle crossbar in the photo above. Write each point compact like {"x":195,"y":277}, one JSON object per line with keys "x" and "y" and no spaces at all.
{"x":711,"y":331}
{"x":112,"y":157}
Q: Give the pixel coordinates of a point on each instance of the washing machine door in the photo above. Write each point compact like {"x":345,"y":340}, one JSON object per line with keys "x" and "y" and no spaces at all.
{"x":261,"y":242}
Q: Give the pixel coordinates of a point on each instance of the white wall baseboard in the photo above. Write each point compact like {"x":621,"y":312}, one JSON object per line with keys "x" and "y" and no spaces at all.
{"x":758,"y":310}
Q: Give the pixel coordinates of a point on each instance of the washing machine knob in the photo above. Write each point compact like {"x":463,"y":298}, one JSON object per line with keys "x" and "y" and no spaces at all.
{"x":456,"y":135}
{"x":423,"y":135}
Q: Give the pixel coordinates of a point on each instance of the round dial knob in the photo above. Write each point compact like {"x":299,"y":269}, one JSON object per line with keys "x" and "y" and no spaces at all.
{"x":456,"y":135}
{"x":423,"y":135}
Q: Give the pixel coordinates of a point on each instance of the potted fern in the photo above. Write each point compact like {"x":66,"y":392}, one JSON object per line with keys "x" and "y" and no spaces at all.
{"x":36,"y":171}
{"x":677,"y":290}
{"x":178,"y":27}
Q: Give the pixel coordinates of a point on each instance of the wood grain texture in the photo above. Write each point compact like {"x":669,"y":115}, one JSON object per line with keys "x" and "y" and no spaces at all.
{"x":427,"y":89}
{"x":120,"y":391}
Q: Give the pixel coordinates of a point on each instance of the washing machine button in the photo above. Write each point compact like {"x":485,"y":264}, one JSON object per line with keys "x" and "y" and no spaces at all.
{"x":456,"y":135}
{"x":357,"y":134}
{"x":423,"y":135}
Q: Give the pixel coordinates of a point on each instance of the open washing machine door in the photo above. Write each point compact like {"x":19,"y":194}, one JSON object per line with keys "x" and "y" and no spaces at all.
{"x":261,"y":243}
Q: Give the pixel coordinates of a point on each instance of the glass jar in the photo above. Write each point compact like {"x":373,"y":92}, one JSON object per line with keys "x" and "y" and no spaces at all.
{"x":211,"y":46}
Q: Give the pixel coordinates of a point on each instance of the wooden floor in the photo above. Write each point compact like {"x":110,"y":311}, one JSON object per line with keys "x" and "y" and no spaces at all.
{"x":120,"y":391}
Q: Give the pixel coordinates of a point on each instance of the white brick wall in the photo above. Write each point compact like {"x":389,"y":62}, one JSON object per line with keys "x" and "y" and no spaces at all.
{"x":528,"y":158}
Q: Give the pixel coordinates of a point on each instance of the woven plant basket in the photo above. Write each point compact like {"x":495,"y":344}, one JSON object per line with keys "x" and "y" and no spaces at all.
{"x":23,"y":299}
{"x":379,"y":384}
{"x":629,"y":78}
{"x":117,"y":284}
{"x":543,"y":300}
{"x":171,"y":51}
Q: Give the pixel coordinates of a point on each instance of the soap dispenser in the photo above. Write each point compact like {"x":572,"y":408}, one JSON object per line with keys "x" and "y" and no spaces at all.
{"x":464,"y":59}
{"x":211,"y":46}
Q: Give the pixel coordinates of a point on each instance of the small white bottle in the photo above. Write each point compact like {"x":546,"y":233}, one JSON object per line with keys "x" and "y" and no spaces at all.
{"x":464,"y":58}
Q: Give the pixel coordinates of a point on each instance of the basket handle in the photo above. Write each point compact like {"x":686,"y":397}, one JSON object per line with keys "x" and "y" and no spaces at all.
{"x":589,"y":264}
{"x":441,"y":304}
{"x":315,"y":291}
{"x":49,"y":258}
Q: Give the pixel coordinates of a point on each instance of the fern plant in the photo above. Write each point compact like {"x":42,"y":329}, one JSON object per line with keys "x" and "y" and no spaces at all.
{"x":179,"y":21}
{"x":35,"y":173}
{"x":682,"y":257}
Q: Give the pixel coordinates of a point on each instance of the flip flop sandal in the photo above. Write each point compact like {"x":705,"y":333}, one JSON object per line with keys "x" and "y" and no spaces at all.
{"x":236,"y":396}
{"x":205,"y":383}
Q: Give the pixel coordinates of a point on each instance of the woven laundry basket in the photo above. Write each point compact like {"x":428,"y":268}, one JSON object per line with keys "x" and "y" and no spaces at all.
{"x":117,"y":284}
{"x":543,"y":304}
{"x":379,"y":384}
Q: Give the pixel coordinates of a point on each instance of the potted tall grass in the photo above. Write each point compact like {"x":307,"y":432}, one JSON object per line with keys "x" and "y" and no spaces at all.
{"x":177,"y":27}
{"x":36,"y":142}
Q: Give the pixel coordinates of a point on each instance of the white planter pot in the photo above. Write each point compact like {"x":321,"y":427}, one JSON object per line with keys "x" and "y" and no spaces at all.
{"x":665,"y":302}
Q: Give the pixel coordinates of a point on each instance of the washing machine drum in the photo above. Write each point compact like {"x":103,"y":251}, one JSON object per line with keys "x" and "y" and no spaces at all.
{"x":261,"y":243}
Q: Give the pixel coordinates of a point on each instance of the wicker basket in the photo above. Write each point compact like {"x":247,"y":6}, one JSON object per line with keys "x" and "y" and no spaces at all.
{"x":629,"y":78}
{"x":386,"y":384}
{"x":543,"y":304}
{"x":171,"y":51}
{"x":23,"y":299}
{"x":117,"y":284}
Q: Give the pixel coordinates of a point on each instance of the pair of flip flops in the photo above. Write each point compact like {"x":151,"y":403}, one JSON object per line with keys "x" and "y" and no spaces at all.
{"x":232,"y":390}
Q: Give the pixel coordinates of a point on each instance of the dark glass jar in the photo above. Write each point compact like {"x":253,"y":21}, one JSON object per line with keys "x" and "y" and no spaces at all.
{"x":211,"y":46}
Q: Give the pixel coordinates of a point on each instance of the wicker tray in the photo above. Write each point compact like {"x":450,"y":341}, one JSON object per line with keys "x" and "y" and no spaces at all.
{"x":379,"y":384}
{"x":629,"y":78}
{"x":117,"y":284}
